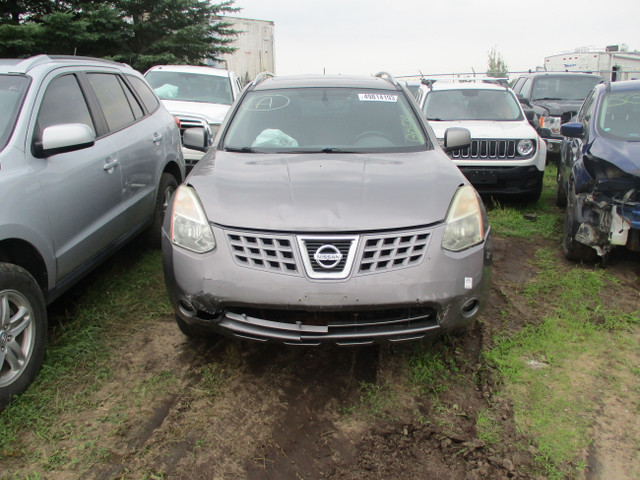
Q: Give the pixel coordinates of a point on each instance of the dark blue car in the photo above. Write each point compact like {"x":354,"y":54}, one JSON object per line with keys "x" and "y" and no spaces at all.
{"x":599,"y":173}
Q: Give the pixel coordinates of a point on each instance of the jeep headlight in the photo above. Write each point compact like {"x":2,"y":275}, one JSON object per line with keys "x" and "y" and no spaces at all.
{"x":552,"y":123}
{"x":525,"y":147}
{"x":464,"y":221}
{"x":189,"y":226}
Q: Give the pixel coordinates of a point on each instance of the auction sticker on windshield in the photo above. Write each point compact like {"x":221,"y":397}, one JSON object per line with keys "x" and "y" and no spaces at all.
{"x":377,"y":97}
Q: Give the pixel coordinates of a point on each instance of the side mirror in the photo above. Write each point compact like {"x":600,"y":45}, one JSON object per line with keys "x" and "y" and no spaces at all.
{"x":530,"y":114}
{"x":456,"y":137}
{"x":522,"y":100}
{"x":196,"y":139}
{"x":572,"y":129}
{"x":67,"y":137}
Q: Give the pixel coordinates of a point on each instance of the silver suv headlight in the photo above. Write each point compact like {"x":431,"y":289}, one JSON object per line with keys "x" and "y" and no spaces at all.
{"x":189,"y":226}
{"x":465,"y":226}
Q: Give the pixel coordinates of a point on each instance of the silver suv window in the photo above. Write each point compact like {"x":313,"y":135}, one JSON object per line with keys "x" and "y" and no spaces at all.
{"x":472,"y":104}
{"x":119,"y":108}
{"x":63,"y":102}
{"x":325,"y":120}
{"x":12,"y":91}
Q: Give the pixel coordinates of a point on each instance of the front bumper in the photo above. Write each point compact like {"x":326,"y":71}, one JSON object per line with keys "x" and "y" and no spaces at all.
{"x":553,"y":144}
{"x":442,"y":292}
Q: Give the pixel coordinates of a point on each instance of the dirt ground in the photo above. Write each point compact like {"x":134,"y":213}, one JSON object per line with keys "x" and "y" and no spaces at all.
{"x":228,"y":409}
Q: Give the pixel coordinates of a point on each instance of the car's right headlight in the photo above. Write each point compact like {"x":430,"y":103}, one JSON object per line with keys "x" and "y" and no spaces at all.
{"x":189,"y":226}
{"x":552,"y":123}
{"x":465,"y":225}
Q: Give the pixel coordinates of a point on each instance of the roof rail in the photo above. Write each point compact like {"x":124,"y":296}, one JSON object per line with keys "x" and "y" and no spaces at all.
{"x":261,"y":77}
{"x":31,"y":62}
{"x":428,"y":82}
{"x":386,"y":76}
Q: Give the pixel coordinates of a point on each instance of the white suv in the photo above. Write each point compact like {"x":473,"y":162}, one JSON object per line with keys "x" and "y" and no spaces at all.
{"x":199,"y":97}
{"x":506,"y":157}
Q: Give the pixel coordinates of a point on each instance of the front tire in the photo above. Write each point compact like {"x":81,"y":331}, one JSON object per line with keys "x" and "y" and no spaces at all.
{"x":23,"y":330}
{"x":573,"y":250}
{"x":166,"y":189}
{"x":561,"y":192}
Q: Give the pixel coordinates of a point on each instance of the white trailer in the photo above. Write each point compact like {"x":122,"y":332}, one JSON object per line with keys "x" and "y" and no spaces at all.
{"x":613,"y":63}
{"x":254,"y":48}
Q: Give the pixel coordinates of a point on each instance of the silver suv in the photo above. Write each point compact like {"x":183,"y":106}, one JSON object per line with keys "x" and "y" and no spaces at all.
{"x":326,"y":212}
{"x":88,"y":159}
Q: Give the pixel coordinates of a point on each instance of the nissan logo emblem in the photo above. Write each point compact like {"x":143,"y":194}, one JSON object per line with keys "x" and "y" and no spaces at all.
{"x":327,"y":256}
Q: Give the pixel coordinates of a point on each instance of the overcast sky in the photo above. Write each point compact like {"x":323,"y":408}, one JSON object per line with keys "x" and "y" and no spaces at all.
{"x":436,"y":36}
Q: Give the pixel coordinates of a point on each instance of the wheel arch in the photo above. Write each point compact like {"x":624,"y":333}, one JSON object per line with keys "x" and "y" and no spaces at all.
{"x":24,"y":254}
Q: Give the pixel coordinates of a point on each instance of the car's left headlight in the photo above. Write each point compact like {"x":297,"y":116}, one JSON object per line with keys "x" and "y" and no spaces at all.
{"x":190,"y":228}
{"x":465,"y":224}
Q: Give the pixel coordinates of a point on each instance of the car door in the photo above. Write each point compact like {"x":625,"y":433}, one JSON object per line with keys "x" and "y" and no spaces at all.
{"x":80,"y":189}
{"x":139,"y":140}
{"x":576,"y":146}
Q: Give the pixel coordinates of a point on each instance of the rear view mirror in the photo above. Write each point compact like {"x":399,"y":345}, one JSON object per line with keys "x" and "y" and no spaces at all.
{"x":456,"y":137}
{"x":67,"y":137}
{"x":196,"y":139}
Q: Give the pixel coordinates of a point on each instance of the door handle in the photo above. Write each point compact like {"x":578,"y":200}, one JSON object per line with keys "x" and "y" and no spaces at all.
{"x":110,"y":165}
{"x":157,"y":137}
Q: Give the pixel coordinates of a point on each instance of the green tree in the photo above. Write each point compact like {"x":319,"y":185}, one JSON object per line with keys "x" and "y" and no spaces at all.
{"x":139,"y":32}
{"x":497,"y":65}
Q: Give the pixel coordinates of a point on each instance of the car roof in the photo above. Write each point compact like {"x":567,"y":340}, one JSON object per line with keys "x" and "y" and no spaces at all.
{"x":445,"y":85}
{"x":24,"y":65}
{"x":622,"y":86}
{"x":203,"y":70}
{"x":310,"y":81}
{"x":560,"y":74}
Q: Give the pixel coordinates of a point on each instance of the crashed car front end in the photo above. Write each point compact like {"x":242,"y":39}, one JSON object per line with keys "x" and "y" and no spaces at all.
{"x":609,"y":200}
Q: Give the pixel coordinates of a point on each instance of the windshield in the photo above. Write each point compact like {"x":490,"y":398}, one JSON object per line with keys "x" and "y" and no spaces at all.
{"x":325,"y":120}
{"x":619,"y":115}
{"x":12,"y":92}
{"x":190,"y":87}
{"x":472,"y":104}
{"x":564,"y":87}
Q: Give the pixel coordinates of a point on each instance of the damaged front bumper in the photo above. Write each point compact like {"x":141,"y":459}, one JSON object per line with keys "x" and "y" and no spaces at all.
{"x":443,"y":292}
{"x":609,"y":218}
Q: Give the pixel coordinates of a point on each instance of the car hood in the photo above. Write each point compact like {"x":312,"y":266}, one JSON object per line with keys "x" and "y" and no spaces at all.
{"x":624,"y":155}
{"x":325,"y":192}
{"x":558,"y":107}
{"x":212,"y":112}
{"x":487,"y":129}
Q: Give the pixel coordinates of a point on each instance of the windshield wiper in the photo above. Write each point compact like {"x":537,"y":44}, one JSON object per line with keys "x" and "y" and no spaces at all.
{"x":239,"y":149}
{"x":546,"y":98}
{"x":334,"y":150}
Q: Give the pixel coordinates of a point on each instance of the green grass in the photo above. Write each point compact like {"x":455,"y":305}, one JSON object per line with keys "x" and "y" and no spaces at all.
{"x":85,"y":324}
{"x":550,"y":368}
{"x":525,"y":220}
{"x":431,"y":368}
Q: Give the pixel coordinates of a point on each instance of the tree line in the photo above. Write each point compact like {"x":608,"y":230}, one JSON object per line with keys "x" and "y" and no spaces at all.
{"x":141,"y":33}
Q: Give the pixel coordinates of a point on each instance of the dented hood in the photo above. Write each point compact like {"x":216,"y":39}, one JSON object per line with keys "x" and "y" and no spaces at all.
{"x":624,"y":155}
{"x":325,"y":192}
